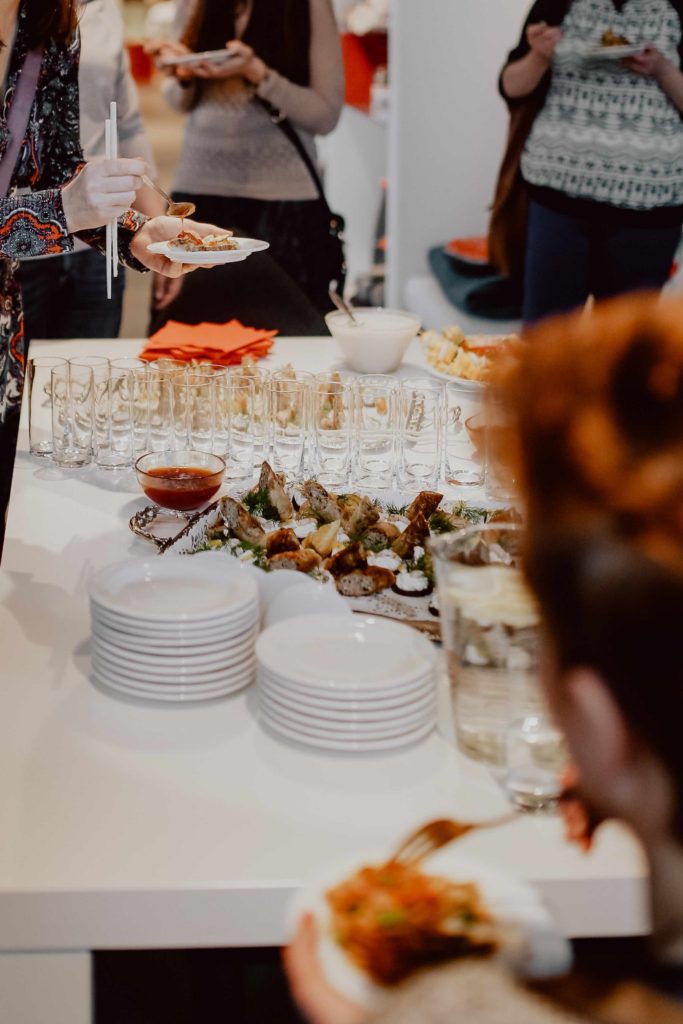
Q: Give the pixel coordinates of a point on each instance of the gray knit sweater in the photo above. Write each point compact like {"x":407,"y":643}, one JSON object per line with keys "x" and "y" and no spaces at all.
{"x":231,"y":146}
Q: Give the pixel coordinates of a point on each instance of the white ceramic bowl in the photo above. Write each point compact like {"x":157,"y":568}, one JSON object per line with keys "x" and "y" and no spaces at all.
{"x":380,"y":341}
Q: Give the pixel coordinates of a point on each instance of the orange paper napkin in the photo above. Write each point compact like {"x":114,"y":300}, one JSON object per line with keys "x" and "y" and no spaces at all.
{"x":228,"y":344}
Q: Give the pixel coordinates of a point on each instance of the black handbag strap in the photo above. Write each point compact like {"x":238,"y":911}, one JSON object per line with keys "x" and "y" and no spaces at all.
{"x":290,"y":132}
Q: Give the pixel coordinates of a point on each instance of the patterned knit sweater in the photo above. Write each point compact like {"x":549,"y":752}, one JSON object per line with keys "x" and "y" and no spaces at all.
{"x":604,"y":134}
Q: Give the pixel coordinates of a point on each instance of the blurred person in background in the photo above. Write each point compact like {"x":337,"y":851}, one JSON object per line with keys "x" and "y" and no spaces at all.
{"x":599,"y":407}
{"x":63,"y":294}
{"x":603,"y":161}
{"x":236,"y":165}
{"x":51,"y":193}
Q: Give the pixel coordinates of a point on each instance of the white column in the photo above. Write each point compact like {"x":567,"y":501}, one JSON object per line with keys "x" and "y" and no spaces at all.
{"x":45,"y":988}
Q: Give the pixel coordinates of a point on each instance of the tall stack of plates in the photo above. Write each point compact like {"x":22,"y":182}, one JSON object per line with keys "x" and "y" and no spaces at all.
{"x":346,"y":683}
{"x":173,"y":629}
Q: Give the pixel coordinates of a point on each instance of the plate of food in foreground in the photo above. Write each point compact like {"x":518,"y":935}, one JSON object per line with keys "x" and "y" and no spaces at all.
{"x":465,"y":360}
{"x":211,"y":250}
{"x":373,"y":549}
{"x":380,"y":922}
{"x":614,"y":47}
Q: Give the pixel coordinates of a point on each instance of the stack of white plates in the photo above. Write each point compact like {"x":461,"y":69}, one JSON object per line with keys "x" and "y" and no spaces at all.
{"x":346,"y":683}
{"x":173,"y":629}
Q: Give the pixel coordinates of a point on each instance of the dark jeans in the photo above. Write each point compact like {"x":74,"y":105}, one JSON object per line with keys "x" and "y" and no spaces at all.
{"x":570,"y":258}
{"x":66,"y":297}
{"x":291,"y":227}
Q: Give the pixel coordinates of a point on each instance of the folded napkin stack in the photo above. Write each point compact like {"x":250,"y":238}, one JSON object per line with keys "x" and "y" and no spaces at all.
{"x":227,"y":343}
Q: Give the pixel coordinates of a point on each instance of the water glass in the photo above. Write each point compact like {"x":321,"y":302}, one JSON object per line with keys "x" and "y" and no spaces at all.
{"x":193,"y":413}
{"x":374,"y":431}
{"x":99,"y":367}
{"x":420,"y":429}
{"x":39,"y":390}
{"x":490,"y":627}
{"x":464,"y":464}
{"x":289,"y":404}
{"x":537,"y":758}
{"x":332,"y":414}
{"x":260,"y":380}
{"x":500,"y":482}
{"x":234,"y":433}
{"x":119,"y":448}
{"x":72,"y":391}
{"x":158,"y":408}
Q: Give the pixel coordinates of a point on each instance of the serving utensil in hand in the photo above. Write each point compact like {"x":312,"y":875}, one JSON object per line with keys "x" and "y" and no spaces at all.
{"x":431,"y":837}
{"x":342,"y":305}
{"x":172,"y":209}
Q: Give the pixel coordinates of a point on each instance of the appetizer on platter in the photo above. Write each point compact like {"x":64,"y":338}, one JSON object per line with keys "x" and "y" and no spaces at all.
{"x":471,"y":358}
{"x":393,"y":919}
{"x":610,"y":38}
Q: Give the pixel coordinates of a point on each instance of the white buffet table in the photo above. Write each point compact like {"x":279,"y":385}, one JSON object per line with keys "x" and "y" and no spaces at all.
{"x":132,"y":826}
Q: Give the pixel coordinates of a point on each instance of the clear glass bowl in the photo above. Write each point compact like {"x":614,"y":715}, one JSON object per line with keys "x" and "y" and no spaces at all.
{"x":182,"y":480}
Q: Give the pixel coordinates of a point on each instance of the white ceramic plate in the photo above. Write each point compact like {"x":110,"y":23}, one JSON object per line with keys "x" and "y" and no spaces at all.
{"x":247,"y":246}
{"x":544,"y":953}
{"x":172,"y":675}
{"x":226,"y":627}
{"x":174,"y":639}
{"x":155,"y":645}
{"x":352,"y":746}
{"x":228,"y":686}
{"x":167,"y":658}
{"x":179,"y":696}
{"x":120,"y":675}
{"x":339,"y":654}
{"x":614,"y":52}
{"x":351,"y":711}
{"x":172,"y":591}
{"x":345,"y":730}
{"x":302,"y":691}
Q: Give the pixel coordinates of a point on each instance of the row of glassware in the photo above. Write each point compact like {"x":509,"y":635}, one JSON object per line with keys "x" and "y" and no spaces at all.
{"x":373,"y":431}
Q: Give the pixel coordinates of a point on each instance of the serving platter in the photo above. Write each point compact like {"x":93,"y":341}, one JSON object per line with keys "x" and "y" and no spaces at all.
{"x":198,"y":532}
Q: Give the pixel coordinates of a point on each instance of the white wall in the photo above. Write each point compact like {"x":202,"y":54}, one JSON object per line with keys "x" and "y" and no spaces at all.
{"x":448,"y":125}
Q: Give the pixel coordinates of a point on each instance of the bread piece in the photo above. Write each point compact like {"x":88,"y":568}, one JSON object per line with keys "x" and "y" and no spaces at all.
{"x":273,"y":484}
{"x":380,"y":536}
{"x":414,"y":534}
{"x":323,"y":505}
{"x":426,"y":503}
{"x":324,"y":538}
{"x":348,"y":559}
{"x":358,"y":515}
{"x":280,"y":541}
{"x":365,"y":582}
{"x":299,"y":561}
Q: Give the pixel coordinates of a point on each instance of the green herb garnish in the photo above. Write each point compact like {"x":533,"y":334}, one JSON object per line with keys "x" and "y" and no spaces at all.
{"x":469,"y":512}
{"x":397,"y":510}
{"x":390,"y":918}
{"x":258,"y":503}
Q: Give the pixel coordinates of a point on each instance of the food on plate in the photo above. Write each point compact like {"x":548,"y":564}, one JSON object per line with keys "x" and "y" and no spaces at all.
{"x":380,"y":536}
{"x":470,"y":358}
{"x":413,"y":584}
{"x":392,"y":919}
{"x":190,"y":241}
{"x":281,"y":541}
{"x":323,"y":539}
{"x":424,"y":504}
{"x":610,"y":38}
{"x":414,"y":535}
{"x":242,"y":524}
{"x":300,"y":561}
{"x":348,"y":559}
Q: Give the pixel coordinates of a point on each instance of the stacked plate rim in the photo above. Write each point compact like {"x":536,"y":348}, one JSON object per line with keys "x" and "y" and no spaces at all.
{"x":346,"y":683}
{"x":173,"y":630}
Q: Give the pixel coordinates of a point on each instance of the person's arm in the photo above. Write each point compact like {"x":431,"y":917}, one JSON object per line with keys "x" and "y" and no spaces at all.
{"x":528,"y":64}
{"x":652,"y":63}
{"x":315,"y":108}
{"x":179,"y":87}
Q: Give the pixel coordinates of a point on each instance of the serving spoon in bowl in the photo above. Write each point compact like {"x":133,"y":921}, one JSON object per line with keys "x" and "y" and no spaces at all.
{"x":173,"y":209}
{"x":342,"y":305}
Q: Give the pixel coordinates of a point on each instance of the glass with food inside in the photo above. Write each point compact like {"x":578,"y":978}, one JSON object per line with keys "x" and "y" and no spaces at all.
{"x":490,"y":626}
{"x":332,"y":410}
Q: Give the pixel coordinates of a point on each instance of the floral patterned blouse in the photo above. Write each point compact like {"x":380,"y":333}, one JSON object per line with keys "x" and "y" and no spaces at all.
{"x":32,"y":221}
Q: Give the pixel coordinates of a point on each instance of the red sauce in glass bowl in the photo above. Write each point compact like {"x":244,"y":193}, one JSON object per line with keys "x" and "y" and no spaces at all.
{"x":181,"y":487}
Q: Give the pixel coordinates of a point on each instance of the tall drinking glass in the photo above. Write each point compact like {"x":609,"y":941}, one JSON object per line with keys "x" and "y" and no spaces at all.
{"x":234,"y":426}
{"x":194,"y":413}
{"x":464,"y":465}
{"x":332,"y":416}
{"x":99,"y":367}
{"x":72,"y":415}
{"x":260,"y":379}
{"x":289,"y":404}
{"x":39,"y":385}
{"x":490,"y":629}
{"x":421,"y":415}
{"x":159,"y":405}
{"x":500,"y":483}
{"x":374,"y":431}
{"x":118,"y":450}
